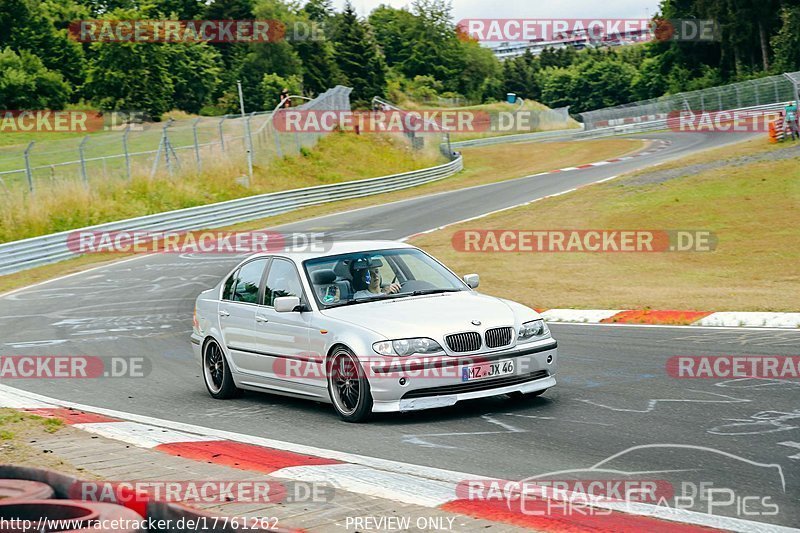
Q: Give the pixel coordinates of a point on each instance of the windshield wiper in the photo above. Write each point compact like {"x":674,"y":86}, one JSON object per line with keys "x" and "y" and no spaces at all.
{"x":431,"y":291}
{"x":361,"y":301}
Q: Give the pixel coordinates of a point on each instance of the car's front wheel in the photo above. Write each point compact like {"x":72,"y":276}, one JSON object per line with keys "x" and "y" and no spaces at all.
{"x":217,"y":374}
{"x":348,"y":386}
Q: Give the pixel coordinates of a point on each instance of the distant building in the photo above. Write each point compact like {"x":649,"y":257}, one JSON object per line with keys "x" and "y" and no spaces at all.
{"x":577,"y":40}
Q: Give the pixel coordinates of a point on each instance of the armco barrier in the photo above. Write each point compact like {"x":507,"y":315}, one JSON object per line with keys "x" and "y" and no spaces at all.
{"x":20,"y":255}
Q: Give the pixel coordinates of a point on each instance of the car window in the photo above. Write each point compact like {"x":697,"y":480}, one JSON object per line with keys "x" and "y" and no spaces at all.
{"x":423,"y":269}
{"x":349,"y":278}
{"x":227,"y":291}
{"x":248,"y":281}
{"x":282,"y":280}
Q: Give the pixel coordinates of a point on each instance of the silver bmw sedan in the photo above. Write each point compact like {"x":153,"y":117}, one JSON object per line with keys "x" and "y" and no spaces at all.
{"x":368,"y":326}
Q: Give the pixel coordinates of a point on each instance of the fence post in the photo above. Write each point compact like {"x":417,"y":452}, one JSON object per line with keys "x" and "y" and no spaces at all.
{"x":81,"y":148}
{"x":247,"y":139}
{"x":28,"y":170}
{"x":127,"y":154}
{"x":167,"y":147}
{"x":277,"y":136}
{"x":157,"y":157}
{"x":250,"y":135}
{"x":221,"y":136}
{"x":758,"y":96}
{"x":738,"y":96}
{"x":197,"y":146}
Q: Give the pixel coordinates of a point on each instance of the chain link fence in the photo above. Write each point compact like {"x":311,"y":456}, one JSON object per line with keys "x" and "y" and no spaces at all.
{"x":762,"y":91}
{"x":172,"y":147}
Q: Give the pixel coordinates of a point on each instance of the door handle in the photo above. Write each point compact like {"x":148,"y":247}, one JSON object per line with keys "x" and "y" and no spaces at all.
{"x":224,"y":313}
{"x":261,"y":318}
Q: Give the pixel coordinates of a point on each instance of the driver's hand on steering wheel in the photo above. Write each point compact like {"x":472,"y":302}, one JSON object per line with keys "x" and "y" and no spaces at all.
{"x":394,"y":288}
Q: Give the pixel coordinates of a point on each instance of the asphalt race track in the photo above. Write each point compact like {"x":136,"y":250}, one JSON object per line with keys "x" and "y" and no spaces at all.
{"x":613,"y":394}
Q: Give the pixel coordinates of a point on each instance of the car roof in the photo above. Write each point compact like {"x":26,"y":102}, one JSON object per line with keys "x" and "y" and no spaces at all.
{"x":336,"y":248}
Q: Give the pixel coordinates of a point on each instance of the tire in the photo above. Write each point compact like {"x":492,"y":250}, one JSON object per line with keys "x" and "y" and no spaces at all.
{"x":217,"y":374}
{"x":22,"y":489}
{"x":518,"y":396}
{"x":348,"y":386}
{"x":94,"y":516}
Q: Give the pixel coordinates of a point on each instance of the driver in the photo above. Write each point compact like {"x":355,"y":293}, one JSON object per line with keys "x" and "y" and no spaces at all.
{"x":371,"y":278}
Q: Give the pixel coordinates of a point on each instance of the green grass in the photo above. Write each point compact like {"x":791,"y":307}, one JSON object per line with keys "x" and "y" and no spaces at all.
{"x":337,"y":158}
{"x":754,"y":210}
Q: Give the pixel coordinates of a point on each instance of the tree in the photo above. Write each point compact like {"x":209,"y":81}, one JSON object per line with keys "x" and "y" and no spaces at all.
{"x":131,"y":76}
{"x":319,"y":11}
{"x":360,"y":62}
{"x":786,"y":42}
{"x":195,"y":72}
{"x":24,"y":25}
{"x":558,"y":87}
{"x":25,"y":83}
{"x":272,"y":85}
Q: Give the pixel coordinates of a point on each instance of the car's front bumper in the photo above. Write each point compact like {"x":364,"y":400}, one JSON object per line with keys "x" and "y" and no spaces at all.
{"x":429,"y":385}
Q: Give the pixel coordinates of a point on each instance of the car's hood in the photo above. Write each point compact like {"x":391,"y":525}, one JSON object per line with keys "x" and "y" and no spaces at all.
{"x":428,"y":316}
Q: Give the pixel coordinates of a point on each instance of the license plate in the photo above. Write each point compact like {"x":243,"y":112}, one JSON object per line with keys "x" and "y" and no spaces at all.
{"x":487,"y":370}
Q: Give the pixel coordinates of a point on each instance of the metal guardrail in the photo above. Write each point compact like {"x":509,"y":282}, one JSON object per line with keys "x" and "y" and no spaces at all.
{"x":21,"y":255}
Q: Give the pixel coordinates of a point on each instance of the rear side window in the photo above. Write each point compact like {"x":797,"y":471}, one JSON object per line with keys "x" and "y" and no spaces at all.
{"x":282,"y":280}
{"x":227,"y":292}
{"x":246,"y":282}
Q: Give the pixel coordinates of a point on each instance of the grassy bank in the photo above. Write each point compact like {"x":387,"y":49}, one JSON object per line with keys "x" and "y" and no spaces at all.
{"x":751,"y":202}
{"x":69,"y":205}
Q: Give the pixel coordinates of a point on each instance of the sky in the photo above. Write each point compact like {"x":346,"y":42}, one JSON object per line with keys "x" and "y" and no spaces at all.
{"x":541,"y":9}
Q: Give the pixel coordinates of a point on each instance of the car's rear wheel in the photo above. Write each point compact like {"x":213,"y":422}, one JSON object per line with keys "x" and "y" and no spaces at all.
{"x":217,"y":374}
{"x":348,"y":386}
{"x":516,"y":395}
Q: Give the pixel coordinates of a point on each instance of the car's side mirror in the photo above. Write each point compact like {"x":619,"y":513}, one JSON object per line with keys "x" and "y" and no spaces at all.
{"x":286,"y":304}
{"x":472,"y":280}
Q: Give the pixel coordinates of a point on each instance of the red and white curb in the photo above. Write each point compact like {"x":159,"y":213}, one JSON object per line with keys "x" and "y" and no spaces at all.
{"x":400,"y":482}
{"x":728,"y":319}
{"x":657,"y":147}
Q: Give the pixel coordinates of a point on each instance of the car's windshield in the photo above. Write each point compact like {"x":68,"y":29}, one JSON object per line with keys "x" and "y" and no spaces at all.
{"x":354,"y":278}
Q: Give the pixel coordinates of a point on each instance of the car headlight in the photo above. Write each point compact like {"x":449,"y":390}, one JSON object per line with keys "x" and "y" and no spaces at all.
{"x":535,"y":329}
{"x":404,"y":347}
